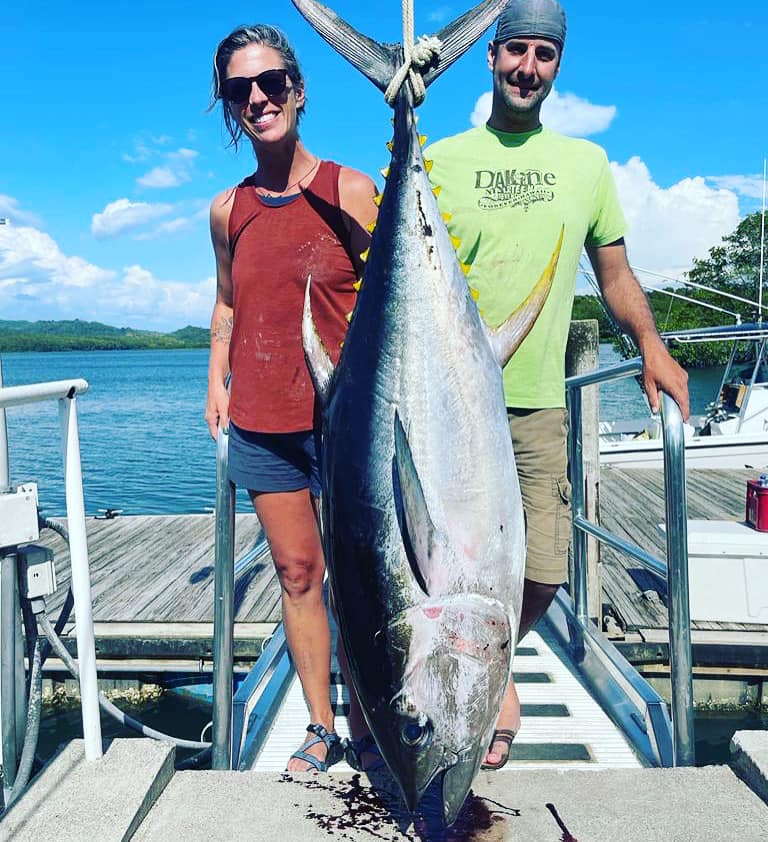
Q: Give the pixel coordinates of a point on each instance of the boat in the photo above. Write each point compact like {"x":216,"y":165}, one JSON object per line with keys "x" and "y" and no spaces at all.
{"x":733,"y":433}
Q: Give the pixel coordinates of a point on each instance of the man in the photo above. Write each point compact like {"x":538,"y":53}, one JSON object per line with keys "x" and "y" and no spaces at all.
{"x":510,"y":186}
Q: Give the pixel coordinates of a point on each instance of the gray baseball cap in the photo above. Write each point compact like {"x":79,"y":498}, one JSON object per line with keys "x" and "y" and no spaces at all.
{"x":534,"y":18}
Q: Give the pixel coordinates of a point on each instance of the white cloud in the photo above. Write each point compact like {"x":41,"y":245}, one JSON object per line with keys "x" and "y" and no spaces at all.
{"x":124,"y":215}
{"x":440,"y":14}
{"x":564,"y":113}
{"x":574,"y":116}
{"x":749,"y":186}
{"x":172,"y":226}
{"x":482,"y":109}
{"x":668,"y":227}
{"x":162,"y":177}
{"x":177,"y":167}
{"x":38,"y":281}
{"x":31,"y":259}
{"x":9,"y":209}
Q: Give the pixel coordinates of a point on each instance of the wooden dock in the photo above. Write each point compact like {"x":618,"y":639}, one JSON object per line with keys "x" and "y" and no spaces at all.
{"x":152,"y":577}
{"x":632,"y":505}
{"x":152,"y":586}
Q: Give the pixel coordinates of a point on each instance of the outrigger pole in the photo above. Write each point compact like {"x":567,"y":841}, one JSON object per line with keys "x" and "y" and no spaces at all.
{"x":762,"y":252}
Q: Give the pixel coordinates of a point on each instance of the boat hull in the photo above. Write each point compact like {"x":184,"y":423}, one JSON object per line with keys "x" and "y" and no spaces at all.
{"x":727,"y":452}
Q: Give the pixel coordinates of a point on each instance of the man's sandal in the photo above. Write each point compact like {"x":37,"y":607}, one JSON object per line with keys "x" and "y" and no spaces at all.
{"x":355,"y":749}
{"x":501,"y":735}
{"x":334,"y":749}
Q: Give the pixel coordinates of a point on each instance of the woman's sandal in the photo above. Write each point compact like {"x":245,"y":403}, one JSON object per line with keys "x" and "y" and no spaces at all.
{"x":333,"y":745}
{"x":355,"y":749}
{"x":501,"y":735}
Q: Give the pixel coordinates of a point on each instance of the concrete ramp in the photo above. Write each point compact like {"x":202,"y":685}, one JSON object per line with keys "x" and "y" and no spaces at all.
{"x":105,"y":800}
{"x":631,"y":805}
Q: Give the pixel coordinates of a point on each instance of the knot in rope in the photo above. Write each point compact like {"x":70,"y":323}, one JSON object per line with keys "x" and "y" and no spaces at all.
{"x":418,"y":57}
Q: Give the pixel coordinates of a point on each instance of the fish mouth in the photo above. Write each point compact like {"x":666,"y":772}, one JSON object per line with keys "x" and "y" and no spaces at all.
{"x":456,"y":783}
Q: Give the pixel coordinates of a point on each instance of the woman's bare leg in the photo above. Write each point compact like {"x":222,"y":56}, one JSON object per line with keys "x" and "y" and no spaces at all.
{"x":536,"y":600}
{"x":290,"y":524}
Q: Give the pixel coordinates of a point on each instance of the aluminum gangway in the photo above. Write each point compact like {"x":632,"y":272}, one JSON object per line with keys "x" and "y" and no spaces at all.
{"x":583,"y":704}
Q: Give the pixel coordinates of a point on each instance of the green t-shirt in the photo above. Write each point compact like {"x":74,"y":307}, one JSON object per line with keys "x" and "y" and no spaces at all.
{"x":508,"y":196}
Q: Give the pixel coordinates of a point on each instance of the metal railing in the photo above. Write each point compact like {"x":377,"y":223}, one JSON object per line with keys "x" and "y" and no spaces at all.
{"x":674,"y":571}
{"x":223,"y":608}
{"x":65,"y":392}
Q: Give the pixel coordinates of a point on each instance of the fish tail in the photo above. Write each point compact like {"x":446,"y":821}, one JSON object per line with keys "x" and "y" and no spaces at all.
{"x":380,"y":62}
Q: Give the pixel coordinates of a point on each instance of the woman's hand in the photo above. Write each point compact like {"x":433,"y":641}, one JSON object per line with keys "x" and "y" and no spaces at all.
{"x":217,"y":408}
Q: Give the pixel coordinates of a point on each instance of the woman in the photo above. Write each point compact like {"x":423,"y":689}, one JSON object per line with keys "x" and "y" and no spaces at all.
{"x":295,"y":216}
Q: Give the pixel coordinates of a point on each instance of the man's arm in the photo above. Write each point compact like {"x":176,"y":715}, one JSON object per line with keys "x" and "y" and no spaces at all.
{"x":626,"y":301}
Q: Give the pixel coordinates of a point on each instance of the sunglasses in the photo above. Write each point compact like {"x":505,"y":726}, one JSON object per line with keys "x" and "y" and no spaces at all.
{"x":237,"y":89}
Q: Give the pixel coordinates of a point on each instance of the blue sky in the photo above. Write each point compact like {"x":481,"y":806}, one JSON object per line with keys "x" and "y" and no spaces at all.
{"x":108,"y":158}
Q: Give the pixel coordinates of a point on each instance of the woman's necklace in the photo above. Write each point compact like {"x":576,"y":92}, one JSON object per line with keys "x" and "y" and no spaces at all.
{"x":274,"y":194}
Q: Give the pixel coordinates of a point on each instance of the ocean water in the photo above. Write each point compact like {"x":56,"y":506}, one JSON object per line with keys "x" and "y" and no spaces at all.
{"x":144,"y":442}
{"x":146,"y":450}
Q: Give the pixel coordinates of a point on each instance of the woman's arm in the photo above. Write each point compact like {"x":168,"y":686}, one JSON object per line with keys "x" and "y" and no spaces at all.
{"x":217,"y":404}
{"x":356,"y":194}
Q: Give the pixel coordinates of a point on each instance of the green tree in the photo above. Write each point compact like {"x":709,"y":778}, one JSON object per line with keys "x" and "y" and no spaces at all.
{"x":733,"y":266}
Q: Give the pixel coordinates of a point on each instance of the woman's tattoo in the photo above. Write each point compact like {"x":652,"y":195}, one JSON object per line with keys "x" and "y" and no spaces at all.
{"x":222,"y":331}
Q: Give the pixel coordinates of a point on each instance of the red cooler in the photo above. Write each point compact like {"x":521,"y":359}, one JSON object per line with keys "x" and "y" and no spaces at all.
{"x":757,"y":503}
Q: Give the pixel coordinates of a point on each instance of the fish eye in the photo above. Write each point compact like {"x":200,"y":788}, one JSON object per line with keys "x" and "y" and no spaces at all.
{"x":413,"y":734}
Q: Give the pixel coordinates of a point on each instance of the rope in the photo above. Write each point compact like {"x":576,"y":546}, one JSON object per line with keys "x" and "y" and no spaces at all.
{"x":416,"y":57}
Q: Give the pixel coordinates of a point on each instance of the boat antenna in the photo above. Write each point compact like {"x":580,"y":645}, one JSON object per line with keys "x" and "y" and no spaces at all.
{"x":762,"y":252}
{"x":627,"y":347}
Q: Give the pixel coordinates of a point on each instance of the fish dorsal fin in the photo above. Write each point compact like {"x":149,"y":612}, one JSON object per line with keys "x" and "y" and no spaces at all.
{"x":507,"y":338}
{"x":379,"y":62}
{"x":416,"y":527}
{"x":318,"y":359}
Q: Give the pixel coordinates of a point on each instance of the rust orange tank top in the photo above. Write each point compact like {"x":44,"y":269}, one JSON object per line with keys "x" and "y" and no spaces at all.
{"x":274,"y":249}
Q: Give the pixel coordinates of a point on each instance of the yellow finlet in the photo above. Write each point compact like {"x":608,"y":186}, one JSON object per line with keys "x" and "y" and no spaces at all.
{"x":455,"y":241}
{"x":474,"y":293}
{"x":422,"y":139}
{"x":357,"y":284}
{"x":385,"y":172}
{"x":390,"y":145}
{"x":377,"y":199}
{"x":364,"y":255}
{"x":447,"y":217}
{"x":348,"y":317}
{"x":428,"y":165}
{"x":465,"y":267}
{"x":341,"y":344}
{"x":436,"y":190}
{"x":370,"y":227}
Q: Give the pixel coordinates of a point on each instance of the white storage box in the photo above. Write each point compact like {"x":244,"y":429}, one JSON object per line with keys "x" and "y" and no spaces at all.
{"x":727,"y":571}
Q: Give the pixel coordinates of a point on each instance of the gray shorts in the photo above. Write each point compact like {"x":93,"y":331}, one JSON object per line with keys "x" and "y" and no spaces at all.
{"x":539,"y":438}
{"x":264,"y":462}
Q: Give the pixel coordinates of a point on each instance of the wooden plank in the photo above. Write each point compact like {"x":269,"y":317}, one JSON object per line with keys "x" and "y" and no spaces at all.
{"x":159,"y":569}
{"x":631,"y":505}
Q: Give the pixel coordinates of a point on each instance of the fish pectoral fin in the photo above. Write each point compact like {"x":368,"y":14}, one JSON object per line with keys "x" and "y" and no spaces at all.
{"x":416,"y":525}
{"x":318,"y":359}
{"x":508,"y":337}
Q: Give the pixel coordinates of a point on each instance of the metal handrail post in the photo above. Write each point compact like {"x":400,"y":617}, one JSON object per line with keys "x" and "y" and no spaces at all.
{"x":680,"y":656}
{"x":576,"y":461}
{"x":9,"y":677}
{"x":223,"y":608}
{"x":81,"y":579}
{"x":5,"y":469}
